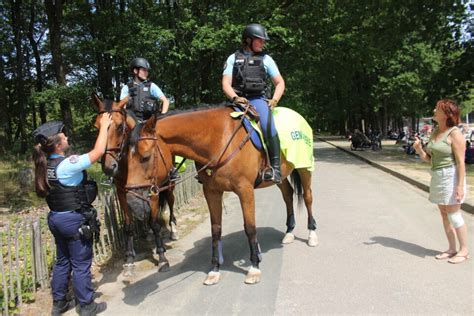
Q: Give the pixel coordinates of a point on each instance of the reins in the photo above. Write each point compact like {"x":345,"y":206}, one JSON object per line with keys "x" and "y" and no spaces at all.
{"x":214,"y":163}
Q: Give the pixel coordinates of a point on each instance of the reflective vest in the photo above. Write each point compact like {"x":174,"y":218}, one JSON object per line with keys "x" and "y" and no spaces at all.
{"x":140,"y":100}
{"x":248,"y":75}
{"x":68,"y":198}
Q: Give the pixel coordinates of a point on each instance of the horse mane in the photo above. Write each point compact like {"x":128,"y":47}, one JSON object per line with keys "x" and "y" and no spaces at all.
{"x":194,"y":108}
{"x":108,"y":105}
{"x":135,"y":134}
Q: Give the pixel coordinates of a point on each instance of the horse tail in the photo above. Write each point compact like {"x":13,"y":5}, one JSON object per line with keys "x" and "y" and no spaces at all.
{"x":297,"y":186}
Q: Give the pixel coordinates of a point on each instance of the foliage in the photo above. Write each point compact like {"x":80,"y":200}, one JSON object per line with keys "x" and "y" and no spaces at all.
{"x":342,"y":61}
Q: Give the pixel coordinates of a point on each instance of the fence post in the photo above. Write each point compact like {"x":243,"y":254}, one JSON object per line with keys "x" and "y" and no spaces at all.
{"x":17,"y":264}
{"x":4,"y":276}
{"x":38,"y":253}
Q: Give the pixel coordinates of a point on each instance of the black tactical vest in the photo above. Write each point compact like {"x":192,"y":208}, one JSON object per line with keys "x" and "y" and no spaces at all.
{"x":140,"y":100}
{"x":68,"y":198}
{"x":248,"y":75}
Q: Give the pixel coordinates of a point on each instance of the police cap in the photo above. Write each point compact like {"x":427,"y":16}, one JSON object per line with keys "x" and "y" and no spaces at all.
{"x":51,"y":128}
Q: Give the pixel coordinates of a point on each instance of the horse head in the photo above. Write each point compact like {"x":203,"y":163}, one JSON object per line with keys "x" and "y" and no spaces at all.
{"x":117,"y":133}
{"x":149,"y":159}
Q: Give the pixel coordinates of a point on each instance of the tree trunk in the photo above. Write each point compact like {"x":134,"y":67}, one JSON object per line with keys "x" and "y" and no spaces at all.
{"x":17,"y":22}
{"x":38,"y":68}
{"x":54,"y":12}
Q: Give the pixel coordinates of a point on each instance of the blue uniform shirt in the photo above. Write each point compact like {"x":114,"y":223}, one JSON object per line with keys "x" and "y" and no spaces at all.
{"x":155,"y":91}
{"x":69,"y":171}
{"x":271,"y":67}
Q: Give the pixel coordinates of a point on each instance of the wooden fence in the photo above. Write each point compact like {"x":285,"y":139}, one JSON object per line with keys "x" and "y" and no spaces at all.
{"x":27,"y":248}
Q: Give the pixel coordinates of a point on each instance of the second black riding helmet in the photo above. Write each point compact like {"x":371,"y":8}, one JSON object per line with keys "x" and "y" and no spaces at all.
{"x":255,"y":30}
{"x":139,"y":62}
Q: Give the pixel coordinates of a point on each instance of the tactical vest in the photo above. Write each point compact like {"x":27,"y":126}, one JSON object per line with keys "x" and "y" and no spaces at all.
{"x":141,"y":101}
{"x":248,"y":75}
{"x":68,"y":198}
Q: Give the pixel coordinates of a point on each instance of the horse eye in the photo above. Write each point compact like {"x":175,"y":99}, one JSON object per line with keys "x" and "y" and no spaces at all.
{"x":145,"y":159}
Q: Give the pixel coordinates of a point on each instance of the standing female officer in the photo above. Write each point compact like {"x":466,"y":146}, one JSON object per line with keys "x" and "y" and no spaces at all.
{"x":63,"y":182}
{"x":244,"y":81}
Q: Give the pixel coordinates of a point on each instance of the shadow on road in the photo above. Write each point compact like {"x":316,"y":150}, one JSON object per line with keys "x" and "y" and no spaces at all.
{"x":402,"y":245}
{"x":198,"y":260}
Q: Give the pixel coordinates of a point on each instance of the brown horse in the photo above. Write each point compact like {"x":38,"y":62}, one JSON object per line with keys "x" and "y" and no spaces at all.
{"x":226,"y":161}
{"x":114,"y":163}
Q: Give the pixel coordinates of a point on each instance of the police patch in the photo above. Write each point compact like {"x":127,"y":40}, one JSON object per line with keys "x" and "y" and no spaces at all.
{"x":74,"y":159}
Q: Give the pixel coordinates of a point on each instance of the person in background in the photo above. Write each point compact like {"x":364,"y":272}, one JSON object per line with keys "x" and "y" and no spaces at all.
{"x":62,"y":181}
{"x":244,"y":81}
{"x":445,"y":151}
{"x":143,"y":93}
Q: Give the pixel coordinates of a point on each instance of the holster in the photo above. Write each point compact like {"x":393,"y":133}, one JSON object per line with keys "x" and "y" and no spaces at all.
{"x":90,"y":228}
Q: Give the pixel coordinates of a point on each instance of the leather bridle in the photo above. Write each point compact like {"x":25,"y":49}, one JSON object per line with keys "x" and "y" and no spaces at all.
{"x":117,"y":152}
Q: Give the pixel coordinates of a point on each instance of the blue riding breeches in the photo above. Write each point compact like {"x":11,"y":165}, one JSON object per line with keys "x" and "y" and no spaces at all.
{"x":266,"y":116}
{"x":71,"y":256}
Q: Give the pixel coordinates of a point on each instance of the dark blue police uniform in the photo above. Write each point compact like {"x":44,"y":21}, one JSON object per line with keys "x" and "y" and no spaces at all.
{"x":74,"y":252}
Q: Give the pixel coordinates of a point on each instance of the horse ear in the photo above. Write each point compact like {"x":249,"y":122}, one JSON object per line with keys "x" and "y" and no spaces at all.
{"x":97,"y":102}
{"x":123,"y":102}
{"x":151,"y":123}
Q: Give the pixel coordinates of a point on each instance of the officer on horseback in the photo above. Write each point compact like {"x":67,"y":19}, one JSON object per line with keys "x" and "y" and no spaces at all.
{"x":244,"y":81}
{"x":143,"y":94}
{"x":72,"y":220}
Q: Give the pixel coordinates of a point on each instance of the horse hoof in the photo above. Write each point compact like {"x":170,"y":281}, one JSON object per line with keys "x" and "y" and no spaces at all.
{"x":313,"y":240}
{"x":174,"y":236}
{"x":163,"y":266}
{"x":213,"y":277}
{"x":253,"y":276}
{"x":129,"y":270}
{"x":288,"y":239}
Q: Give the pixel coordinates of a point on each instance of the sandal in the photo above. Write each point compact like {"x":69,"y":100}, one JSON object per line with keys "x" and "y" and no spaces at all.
{"x":458,"y":259}
{"x":445,"y":255}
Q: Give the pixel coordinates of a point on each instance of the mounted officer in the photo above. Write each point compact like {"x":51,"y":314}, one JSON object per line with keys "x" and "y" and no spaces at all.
{"x":143,"y":94}
{"x":72,"y":220}
{"x":244,"y":81}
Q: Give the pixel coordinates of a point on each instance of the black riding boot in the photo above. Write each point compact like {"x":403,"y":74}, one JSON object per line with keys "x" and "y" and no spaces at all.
{"x":59,"y":307}
{"x":273,"y":173}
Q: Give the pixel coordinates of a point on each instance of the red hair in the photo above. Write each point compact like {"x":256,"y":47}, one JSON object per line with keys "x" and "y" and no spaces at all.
{"x":451,"y":110}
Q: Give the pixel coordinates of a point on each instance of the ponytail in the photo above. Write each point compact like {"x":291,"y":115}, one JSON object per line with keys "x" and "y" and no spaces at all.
{"x":41,"y":184}
{"x":40,"y":152}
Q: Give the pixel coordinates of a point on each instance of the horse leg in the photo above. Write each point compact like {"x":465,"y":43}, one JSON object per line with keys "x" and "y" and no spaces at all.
{"x":129,"y":265}
{"x":173,"y":225}
{"x":247,"y":201}
{"x":305,"y":176}
{"x":214,"y":202}
{"x":163,"y":264}
{"x":287,"y":192}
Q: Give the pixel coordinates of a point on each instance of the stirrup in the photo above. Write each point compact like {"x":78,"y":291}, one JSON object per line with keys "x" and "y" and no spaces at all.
{"x":270,"y":174}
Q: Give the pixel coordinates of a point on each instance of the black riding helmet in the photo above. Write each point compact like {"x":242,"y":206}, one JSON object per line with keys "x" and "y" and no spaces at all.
{"x":254,"y":30}
{"x":139,"y":62}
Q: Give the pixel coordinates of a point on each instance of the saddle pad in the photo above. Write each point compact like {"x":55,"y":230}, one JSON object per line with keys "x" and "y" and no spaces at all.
{"x":251,"y":127}
{"x":296,"y":136}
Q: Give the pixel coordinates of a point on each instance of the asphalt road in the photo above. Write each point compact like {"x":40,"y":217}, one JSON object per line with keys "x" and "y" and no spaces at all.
{"x":378,"y":236}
